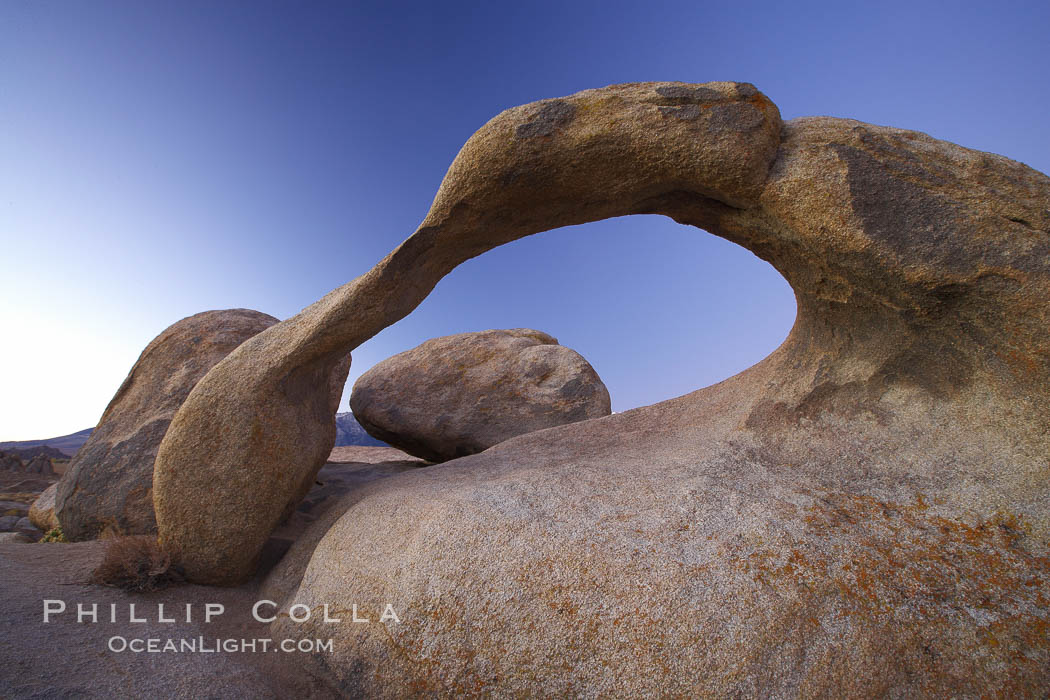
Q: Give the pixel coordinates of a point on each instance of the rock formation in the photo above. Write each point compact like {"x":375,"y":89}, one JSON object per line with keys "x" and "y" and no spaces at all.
{"x":40,"y":464}
{"x":11,"y":462}
{"x":461,"y":394}
{"x":863,"y":513}
{"x":109,"y":481}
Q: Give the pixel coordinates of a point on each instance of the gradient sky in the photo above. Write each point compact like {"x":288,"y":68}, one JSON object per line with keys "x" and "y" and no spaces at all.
{"x":161,"y":159}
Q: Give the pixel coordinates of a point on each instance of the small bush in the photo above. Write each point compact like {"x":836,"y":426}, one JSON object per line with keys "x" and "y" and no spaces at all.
{"x":138,"y":563}
{"x":53,"y":535}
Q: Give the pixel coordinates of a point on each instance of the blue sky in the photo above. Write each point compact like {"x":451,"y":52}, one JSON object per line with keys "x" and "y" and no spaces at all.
{"x":161,"y":159}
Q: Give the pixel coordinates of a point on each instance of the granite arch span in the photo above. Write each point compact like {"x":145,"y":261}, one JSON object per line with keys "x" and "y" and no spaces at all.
{"x":914,"y":378}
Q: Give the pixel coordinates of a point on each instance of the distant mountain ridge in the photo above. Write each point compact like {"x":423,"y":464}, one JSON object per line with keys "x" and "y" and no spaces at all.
{"x":66,"y":444}
{"x":348,"y":432}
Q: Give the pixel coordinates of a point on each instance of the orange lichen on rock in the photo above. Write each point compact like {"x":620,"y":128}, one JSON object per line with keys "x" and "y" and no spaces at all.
{"x":873,"y":562}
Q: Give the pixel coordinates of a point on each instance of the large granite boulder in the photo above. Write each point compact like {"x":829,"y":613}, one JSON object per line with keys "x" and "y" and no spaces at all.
{"x":42,"y":512}
{"x":109,"y":482}
{"x":11,"y":462}
{"x":461,"y":394}
{"x":866,"y":512}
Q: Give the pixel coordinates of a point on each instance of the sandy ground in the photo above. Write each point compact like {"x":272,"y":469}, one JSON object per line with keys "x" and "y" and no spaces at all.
{"x":64,"y":658}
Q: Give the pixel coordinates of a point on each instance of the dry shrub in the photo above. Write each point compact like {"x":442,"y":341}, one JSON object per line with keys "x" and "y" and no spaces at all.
{"x":138,"y":563}
{"x":54,"y":535}
{"x":108,"y":528}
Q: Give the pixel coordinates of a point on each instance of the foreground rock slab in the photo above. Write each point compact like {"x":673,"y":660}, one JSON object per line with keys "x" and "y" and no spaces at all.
{"x":109,"y":482}
{"x":866,"y":512}
{"x":460,"y":394}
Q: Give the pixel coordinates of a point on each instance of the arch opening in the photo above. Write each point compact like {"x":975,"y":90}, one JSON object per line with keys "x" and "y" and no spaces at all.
{"x":658,"y":308}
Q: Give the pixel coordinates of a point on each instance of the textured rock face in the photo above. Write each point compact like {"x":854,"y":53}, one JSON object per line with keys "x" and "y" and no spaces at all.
{"x":42,"y":512}
{"x":109,"y":481}
{"x":866,"y":512}
{"x":461,"y":394}
{"x":11,"y":462}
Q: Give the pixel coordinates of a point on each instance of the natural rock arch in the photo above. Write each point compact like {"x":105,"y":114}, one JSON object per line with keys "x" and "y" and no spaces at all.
{"x":919,"y":267}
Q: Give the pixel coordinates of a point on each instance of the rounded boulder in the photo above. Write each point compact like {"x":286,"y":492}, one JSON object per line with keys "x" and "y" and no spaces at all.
{"x":461,"y":394}
{"x":109,"y":482}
